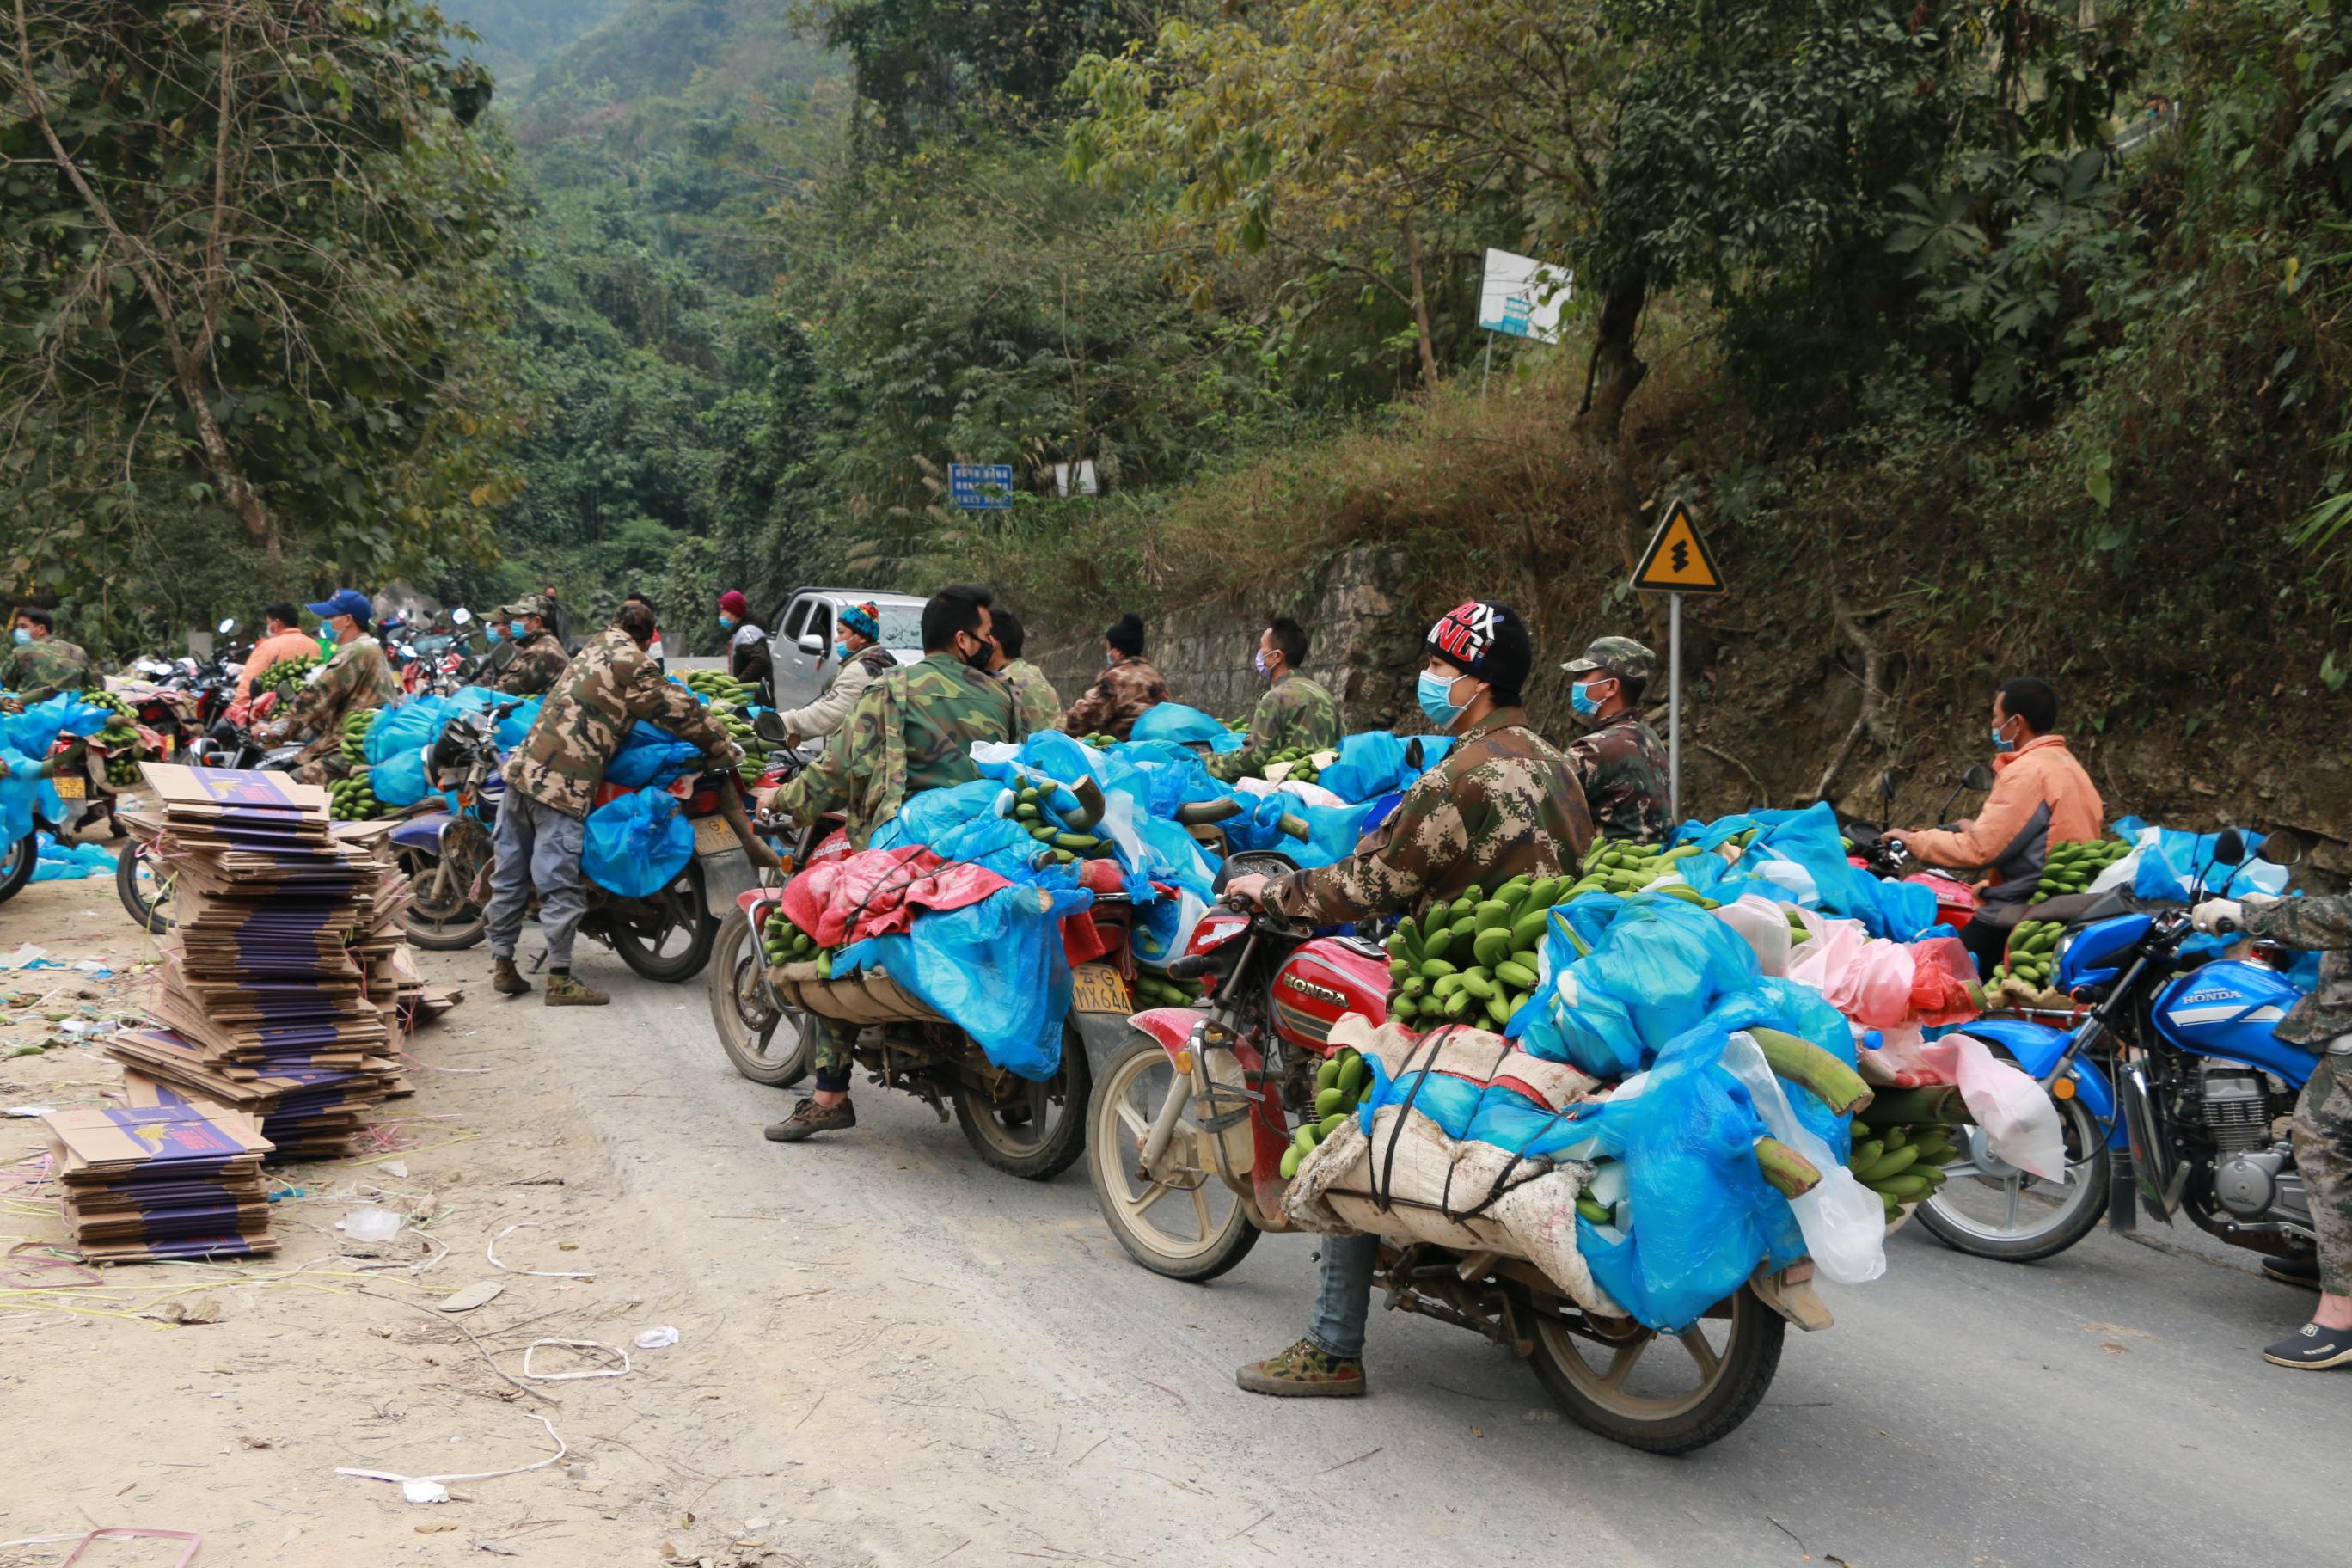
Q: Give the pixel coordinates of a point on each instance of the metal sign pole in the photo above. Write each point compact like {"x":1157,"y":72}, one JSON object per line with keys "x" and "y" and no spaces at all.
{"x":1487,"y":364}
{"x":1675,"y":705}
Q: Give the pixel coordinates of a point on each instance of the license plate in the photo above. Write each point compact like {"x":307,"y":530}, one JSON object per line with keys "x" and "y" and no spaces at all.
{"x":713,"y":837}
{"x":71,"y":787}
{"x":1097,"y":988}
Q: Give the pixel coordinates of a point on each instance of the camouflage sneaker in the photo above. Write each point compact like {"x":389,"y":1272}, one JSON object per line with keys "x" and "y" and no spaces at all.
{"x":809,"y":1117}
{"x":506,"y":979}
{"x":563,"y":991}
{"x":1304,"y":1371}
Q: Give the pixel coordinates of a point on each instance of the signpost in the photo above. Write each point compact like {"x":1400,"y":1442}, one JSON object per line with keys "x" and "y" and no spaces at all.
{"x":1676,"y":563}
{"x":1520,"y":297}
{"x":980,"y":487}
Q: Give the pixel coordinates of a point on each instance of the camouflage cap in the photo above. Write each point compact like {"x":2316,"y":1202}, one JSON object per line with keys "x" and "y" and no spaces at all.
{"x":529,"y":605}
{"x":1620,"y":657}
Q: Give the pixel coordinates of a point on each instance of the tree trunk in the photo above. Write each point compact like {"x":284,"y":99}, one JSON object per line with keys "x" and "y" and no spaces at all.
{"x":1425,"y":334}
{"x":1612,"y":374}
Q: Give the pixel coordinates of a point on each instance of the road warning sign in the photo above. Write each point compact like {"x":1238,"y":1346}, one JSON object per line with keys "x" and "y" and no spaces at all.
{"x":1677,"y":561}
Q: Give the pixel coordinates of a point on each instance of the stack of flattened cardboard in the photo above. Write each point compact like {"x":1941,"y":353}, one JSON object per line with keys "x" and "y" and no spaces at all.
{"x":144,"y":1182}
{"x":308,"y":1114}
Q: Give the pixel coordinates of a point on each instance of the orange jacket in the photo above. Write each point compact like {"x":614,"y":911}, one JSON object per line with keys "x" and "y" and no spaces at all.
{"x":2041,"y":796}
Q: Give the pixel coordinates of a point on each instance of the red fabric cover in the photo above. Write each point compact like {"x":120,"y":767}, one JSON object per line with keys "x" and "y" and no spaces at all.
{"x":876,"y":893}
{"x":1082,"y":939}
{"x":1942,"y":977}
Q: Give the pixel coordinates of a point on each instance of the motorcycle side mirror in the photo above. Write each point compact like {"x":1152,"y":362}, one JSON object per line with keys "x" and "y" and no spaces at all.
{"x":461,"y":617}
{"x":228,"y":625}
{"x":2281,"y":848}
{"x":1978,"y":777}
{"x":2228,"y":847}
{"x":769,"y":725}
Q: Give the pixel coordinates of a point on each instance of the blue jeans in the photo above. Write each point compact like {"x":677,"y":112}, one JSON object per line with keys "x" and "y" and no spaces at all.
{"x":1345,"y":1299}
{"x":538,"y":845}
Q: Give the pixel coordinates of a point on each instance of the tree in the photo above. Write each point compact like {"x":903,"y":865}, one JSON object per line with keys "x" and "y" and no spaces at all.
{"x":251,"y":258}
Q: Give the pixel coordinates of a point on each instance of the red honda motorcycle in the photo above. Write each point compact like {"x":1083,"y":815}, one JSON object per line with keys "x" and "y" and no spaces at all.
{"x":1188,"y":1124}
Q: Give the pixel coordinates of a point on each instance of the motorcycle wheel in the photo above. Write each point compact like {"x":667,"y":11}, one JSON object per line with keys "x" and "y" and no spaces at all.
{"x":768,"y":1043}
{"x":667,"y":937}
{"x":1192,"y":1228}
{"x":143,"y":893}
{"x":1988,"y":1208}
{"x":1663,"y":1394}
{"x":436,"y":918}
{"x":1038,"y":1135}
{"x":16,"y":866}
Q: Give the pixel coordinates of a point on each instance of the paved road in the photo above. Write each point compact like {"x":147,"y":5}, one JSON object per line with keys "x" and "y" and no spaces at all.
{"x":983,"y":1365}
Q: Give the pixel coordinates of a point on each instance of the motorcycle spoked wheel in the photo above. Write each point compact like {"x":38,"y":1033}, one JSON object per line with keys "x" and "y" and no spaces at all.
{"x":669,"y":936}
{"x":439,"y":915}
{"x":1663,"y":1394}
{"x":1192,"y":1226}
{"x":766,"y":1041}
{"x":1041,"y":1131}
{"x":1987,"y":1208}
{"x":146,"y":894}
{"x":16,"y":863}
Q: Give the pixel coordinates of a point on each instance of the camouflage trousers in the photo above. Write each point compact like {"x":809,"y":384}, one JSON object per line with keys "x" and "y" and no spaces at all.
{"x":833,"y":1061}
{"x":2322,"y":1153}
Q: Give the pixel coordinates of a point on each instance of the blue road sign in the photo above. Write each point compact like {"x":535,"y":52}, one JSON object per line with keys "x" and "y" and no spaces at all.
{"x":980,"y":487}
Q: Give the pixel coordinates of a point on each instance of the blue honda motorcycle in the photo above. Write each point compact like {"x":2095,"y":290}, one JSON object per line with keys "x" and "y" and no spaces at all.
{"x":2168,"y":1092}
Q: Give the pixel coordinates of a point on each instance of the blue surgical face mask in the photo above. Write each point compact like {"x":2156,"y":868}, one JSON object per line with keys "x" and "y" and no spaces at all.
{"x":841,"y":650}
{"x":23,"y":635}
{"x":1436,"y":694}
{"x":726,"y":623}
{"x":1999,"y":744}
{"x":490,"y":631}
{"x":520,"y":630}
{"x":1579,"y":697}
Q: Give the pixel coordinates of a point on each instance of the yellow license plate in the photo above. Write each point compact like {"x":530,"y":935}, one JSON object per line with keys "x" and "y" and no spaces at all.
{"x":71,"y":787}
{"x":713,"y":837}
{"x":1097,"y":988}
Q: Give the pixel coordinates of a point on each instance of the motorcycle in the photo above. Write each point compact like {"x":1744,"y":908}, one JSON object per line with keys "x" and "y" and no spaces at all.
{"x":448,"y":856}
{"x":768,"y":1024}
{"x":1883,"y":854}
{"x":2166,"y":1092}
{"x":439,"y":662}
{"x":1191,"y":1117}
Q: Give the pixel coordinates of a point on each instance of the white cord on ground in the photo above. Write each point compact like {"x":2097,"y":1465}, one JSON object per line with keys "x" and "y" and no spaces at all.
{"x":490,"y":1251}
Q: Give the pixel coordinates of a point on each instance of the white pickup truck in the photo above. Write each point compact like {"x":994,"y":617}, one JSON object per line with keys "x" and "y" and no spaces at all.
{"x":807,"y":625}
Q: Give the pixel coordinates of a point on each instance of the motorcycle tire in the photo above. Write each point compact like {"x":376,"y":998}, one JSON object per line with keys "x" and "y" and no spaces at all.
{"x":1728,"y":1380}
{"x":16,"y":866}
{"x":132,"y":874}
{"x":1120,"y":1113}
{"x":653,"y":959}
{"x":749,"y":1020}
{"x":1041,"y":1139}
{"x":1950,"y":1216}
{"x":440,"y":920}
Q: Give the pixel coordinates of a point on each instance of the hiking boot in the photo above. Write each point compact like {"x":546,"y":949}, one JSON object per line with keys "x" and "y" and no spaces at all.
{"x":809,"y":1117}
{"x":2312,"y":1348}
{"x":506,"y":979}
{"x":563,"y":991}
{"x":1305,"y":1370}
{"x":2297,"y":1270}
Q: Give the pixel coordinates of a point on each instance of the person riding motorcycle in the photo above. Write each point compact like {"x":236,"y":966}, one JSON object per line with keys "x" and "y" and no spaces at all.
{"x":911,"y":731}
{"x":747,"y":658}
{"x":1127,"y":687}
{"x":2321,"y":1023}
{"x":39,"y":664}
{"x":2040,"y":796}
{"x":539,"y":660}
{"x":553,"y":780}
{"x":1620,"y":760}
{"x":356,"y":679}
{"x":1502,"y":803}
{"x":285,"y":639}
{"x":862,"y":659}
{"x":1294,"y":711}
{"x":1038,"y":704}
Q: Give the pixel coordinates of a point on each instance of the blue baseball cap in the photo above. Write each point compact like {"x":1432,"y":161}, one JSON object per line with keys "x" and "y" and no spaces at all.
{"x":345,"y":602}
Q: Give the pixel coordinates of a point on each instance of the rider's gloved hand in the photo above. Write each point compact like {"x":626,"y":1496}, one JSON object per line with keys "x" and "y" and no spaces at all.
{"x":2217,"y":914}
{"x":726,"y":754}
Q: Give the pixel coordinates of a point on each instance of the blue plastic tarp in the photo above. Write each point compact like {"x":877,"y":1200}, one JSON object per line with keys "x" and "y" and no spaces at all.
{"x":1185,"y":726}
{"x":70,"y":862}
{"x":1623,"y":976}
{"x":637,"y":845}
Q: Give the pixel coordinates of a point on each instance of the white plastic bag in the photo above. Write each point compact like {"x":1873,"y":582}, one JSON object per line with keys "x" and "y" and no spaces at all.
{"x":1760,"y":924}
{"x":1844,"y":1222}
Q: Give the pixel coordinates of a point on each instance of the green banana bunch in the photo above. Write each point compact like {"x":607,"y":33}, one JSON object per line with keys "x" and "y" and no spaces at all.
{"x":1341,"y":1082}
{"x":1098,"y":740}
{"x":1033,"y":809}
{"x":1302,"y":763}
{"x":1473,"y":959}
{"x":288,"y":675}
{"x":2032,"y":956}
{"x":356,"y":733}
{"x":1902,"y":1163}
{"x":2072,"y":868}
{"x":352,"y":799}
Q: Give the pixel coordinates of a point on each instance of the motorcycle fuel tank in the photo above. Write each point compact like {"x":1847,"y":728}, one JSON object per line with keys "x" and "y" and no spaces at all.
{"x":2227,"y":1009}
{"x":1324,"y":980}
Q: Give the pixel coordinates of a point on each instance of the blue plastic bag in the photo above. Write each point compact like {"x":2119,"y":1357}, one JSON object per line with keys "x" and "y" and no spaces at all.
{"x":1656,"y":966}
{"x":1185,"y":726}
{"x":995,"y":969}
{"x":2171,"y":862}
{"x":517,"y":724}
{"x":636,"y":845}
{"x":25,"y":740}
{"x":70,"y":862}
{"x":650,"y":757}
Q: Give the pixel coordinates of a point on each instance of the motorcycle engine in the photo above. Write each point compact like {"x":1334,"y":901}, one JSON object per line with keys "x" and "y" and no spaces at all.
{"x":2237,"y":1109}
{"x":2265,"y":1185}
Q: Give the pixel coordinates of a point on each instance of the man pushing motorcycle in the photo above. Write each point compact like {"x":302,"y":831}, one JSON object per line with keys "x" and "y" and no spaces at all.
{"x":1503,"y":803}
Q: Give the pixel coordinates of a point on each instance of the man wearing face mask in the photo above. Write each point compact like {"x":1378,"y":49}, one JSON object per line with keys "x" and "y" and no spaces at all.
{"x":747,"y":645}
{"x":356,"y":677}
{"x":41,"y":663}
{"x":863,"y":660}
{"x":1620,"y":760}
{"x":1503,"y":803}
{"x":2040,"y":796}
{"x":538,"y":660}
{"x":1295,"y":711}
{"x":912,"y":730}
{"x":1126,"y":688}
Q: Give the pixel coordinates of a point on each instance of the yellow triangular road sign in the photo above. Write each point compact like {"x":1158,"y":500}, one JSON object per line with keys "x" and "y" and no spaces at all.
{"x":1677,"y":561}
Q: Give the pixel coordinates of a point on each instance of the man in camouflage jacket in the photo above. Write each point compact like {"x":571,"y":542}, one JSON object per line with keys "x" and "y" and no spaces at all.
{"x":41,"y":663}
{"x":1294,"y":711}
{"x":1502,"y":804}
{"x":552,"y":779}
{"x":2321,"y":1023}
{"x":911,"y":731}
{"x":356,"y":677}
{"x":539,"y":660}
{"x":1620,"y":761}
{"x":1127,"y":687}
{"x":1036,"y":705}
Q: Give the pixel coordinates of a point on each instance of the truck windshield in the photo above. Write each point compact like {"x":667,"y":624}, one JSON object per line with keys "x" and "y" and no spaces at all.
{"x":902,"y":625}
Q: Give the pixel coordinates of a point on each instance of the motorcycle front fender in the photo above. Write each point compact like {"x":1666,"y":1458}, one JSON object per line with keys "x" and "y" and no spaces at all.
{"x":2036,"y":1047}
{"x":422,"y":832}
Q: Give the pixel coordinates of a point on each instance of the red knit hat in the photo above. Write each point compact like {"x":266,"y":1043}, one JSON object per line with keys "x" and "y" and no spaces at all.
{"x":734,"y":604}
